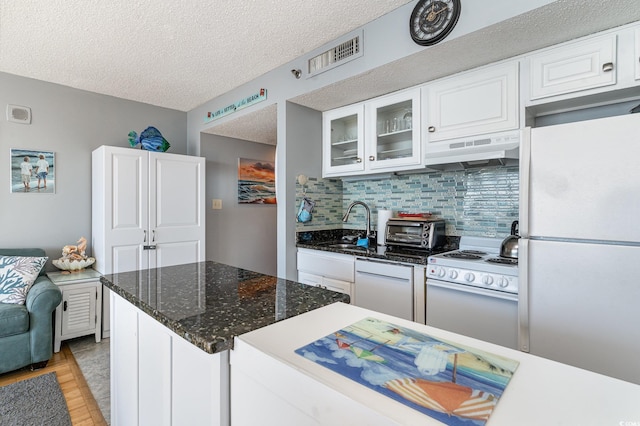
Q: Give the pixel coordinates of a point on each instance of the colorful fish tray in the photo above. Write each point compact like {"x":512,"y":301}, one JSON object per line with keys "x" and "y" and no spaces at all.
{"x":454,"y":384}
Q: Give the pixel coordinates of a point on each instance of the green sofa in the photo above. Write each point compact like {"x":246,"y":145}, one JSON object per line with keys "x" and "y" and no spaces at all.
{"x":26,"y":331}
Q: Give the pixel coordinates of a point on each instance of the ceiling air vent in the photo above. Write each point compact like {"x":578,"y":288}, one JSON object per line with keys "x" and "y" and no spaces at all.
{"x":338,"y":55}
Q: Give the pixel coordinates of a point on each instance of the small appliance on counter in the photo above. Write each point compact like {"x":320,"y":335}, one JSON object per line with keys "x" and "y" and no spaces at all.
{"x":415,"y":233}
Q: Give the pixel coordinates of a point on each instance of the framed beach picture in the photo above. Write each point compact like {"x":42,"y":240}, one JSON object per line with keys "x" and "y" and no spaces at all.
{"x":256,"y":182}
{"x":33,"y":171}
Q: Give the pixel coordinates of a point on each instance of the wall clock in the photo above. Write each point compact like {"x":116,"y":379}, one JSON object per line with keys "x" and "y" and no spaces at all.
{"x":432,"y":20}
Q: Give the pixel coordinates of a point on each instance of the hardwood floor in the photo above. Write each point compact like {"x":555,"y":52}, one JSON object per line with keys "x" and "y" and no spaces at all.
{"x":83,"y":408}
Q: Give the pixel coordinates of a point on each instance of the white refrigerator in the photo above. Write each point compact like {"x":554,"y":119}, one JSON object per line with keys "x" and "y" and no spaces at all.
{"x":579,"y":265}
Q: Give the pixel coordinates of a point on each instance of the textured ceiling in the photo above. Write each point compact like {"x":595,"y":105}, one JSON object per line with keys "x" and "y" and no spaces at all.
{"x":180,"y":55}
{"x":175,"y":54}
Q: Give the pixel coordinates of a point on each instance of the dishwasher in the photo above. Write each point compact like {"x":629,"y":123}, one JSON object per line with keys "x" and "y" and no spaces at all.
{"x":384,"y":287}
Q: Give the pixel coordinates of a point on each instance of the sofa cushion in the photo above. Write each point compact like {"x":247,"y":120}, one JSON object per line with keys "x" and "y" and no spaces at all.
{"x":28,"y":252}
{"x":17,"y":274}
{"x":14,"y":319}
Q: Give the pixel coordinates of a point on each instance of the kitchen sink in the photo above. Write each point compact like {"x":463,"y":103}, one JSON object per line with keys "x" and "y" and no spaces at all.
{"x":343,"y":246}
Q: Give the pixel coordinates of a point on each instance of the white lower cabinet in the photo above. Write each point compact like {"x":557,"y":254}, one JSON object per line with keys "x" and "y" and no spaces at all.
{"x":267,"y":391}
{"x":158,"y":378}
{"x":333,"y":271}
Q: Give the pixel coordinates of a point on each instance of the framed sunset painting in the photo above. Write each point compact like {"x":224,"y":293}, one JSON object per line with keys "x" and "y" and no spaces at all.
{"x":256,"y":182}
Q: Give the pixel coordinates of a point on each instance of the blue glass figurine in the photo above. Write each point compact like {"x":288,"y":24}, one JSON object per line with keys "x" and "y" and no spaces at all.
{"x":151,"y":140}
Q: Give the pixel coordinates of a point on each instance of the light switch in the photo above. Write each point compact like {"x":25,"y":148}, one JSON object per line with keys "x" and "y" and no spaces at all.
{"x":216,"y":204}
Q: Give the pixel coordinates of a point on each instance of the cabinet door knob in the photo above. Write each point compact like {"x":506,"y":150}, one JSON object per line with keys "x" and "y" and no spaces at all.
{"x":372,"y":158}
{"x":358,"y":160}
{"x":64,"y":306}
{"x":431,"y":129}
{"x":607,"y":67}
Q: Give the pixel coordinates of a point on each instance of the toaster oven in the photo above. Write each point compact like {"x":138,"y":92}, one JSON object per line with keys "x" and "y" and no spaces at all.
{"x":417,"y":233}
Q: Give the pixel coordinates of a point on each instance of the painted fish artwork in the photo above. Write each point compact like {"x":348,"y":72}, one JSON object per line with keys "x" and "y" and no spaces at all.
{"x":454,"y":384}
{"x":150,"y":139}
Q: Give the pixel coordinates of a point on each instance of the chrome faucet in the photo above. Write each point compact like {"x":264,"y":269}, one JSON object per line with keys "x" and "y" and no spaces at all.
{"x":346,"y":215}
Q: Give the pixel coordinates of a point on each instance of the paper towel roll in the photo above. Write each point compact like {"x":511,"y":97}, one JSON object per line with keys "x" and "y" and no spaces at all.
{"x":383,"y":216}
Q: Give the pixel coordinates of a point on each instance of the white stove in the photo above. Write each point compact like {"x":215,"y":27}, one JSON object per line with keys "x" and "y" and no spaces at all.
{"x":476,"y":263}
{"x":473,"y":291}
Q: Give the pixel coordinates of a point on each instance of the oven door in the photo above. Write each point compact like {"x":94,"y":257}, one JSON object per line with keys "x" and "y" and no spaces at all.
{"x":487,"y":315}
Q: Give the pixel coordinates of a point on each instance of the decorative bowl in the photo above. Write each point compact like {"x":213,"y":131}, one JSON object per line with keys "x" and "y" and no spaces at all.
{"x":73,"y":265}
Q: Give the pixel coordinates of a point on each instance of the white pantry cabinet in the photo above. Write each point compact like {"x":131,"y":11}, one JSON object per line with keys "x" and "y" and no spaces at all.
{"x":147,"y":211}
{"x":373,"y":137}
{"x":573,"y":67}
{"x":473,"y":103}
{"x":158,"y":378}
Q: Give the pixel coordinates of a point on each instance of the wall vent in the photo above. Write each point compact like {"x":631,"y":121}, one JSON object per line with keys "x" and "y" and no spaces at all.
{"x":18,"y":114}
{"x":342,"y":53}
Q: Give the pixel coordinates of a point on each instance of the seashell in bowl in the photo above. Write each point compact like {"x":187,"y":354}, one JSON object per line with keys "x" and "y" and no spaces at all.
{"x":73,"y":265}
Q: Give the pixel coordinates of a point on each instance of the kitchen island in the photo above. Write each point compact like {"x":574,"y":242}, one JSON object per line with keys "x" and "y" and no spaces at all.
{"x":274,"y":384}
{"x":172,"y":329}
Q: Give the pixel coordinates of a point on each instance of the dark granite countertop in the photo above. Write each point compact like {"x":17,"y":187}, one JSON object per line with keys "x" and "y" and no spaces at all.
{"x":318,"y":240}
{"x":210,"y":303}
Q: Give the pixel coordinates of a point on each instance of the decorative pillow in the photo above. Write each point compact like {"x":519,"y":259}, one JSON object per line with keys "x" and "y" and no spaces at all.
{"x":17,"y":274}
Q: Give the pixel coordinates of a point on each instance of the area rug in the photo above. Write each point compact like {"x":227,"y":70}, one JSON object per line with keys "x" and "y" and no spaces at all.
{"x":36,"y":401}
{"x":93,"y":360}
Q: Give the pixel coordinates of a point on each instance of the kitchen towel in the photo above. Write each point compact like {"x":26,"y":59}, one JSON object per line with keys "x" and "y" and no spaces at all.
{"x":383,"y":216}
{"x":306,"y":207}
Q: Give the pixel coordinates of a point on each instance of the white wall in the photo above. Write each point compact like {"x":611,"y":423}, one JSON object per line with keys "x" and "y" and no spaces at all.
{"x":299,"y":153}
{"x":241,"y":235}
{"x":71,"y":123}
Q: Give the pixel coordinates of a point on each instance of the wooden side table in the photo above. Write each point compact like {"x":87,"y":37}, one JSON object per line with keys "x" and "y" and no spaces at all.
{"x":80,"y":312}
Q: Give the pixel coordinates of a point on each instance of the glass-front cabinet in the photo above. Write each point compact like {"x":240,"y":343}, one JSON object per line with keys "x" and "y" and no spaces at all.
{"x":343,"y":138}
{"x":392,"y":134}
{"x":375,"y":136}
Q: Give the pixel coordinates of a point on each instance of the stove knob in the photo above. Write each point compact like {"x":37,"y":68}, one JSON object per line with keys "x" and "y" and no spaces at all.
{"x":503,"y":282}
{"x":469,"y":277}
{"x":487,"y":280}
{"x":441,"y":272}
{"x":453,"y":274}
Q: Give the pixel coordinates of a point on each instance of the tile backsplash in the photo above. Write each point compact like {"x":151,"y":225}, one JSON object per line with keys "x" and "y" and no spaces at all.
{"x":479,"y":201}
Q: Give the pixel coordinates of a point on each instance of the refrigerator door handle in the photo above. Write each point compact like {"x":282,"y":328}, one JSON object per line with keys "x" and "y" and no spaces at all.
{"x":523,"y":295}
{"x":525,"y":168}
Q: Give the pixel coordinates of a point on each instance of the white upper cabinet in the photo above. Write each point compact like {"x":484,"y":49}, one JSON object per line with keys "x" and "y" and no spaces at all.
{"x":343,"y":140}
{"x":392,"y":136}
{"x":473,"y":103}
{"x":573,"y":67}
{"x":374,"y":136}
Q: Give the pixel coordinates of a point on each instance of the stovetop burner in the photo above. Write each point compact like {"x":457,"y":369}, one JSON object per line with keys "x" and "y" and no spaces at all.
{"x":465,"y":254}
{"x":503,"y":260}
{"x":478,"y":252}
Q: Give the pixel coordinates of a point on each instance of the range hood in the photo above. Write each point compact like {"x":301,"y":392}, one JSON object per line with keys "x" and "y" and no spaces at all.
{"x":478,"y":151}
